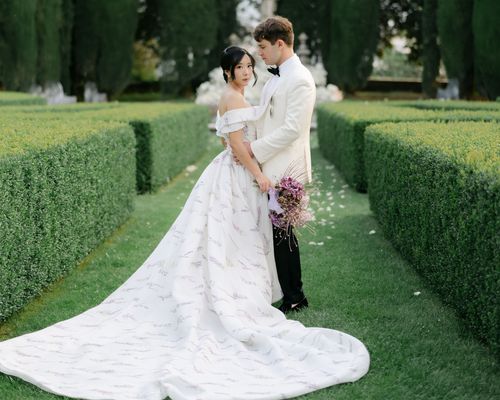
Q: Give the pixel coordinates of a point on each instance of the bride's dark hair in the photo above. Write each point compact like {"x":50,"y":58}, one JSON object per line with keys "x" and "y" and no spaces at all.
{"x":231,"y":57}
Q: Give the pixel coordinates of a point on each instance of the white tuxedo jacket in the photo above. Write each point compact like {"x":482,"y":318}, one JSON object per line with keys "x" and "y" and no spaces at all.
{"x":283,"y":131}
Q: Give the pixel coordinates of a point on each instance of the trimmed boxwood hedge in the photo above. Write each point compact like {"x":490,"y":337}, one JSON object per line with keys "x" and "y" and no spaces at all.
{"x":435,"y":190}
{"x":17,"y":98}
{"x":64,"y":187}
{"x":341,"y":128}
{"x":449,"y":105}
{"x":169,"y":136}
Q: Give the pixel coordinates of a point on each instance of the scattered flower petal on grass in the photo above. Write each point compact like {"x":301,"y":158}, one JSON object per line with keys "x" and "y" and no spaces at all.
{"x":416,"y":293}
{"x":191,"y":168}
{"x":371,"y":232}
{"x":341,"y":206}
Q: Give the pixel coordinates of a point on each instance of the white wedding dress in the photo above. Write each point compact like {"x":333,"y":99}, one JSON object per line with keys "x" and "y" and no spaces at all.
{"x":195,"y":321}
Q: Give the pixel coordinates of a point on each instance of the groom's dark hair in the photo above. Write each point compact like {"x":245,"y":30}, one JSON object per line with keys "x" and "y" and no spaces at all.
{"x":231,"y":57}
{"x":274,"y":28}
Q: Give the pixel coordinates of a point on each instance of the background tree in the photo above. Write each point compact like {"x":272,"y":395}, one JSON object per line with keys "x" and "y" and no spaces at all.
{"x":148,"y":24}
{"x":401,"y":18}
{"x":486,"y":29}
{"x":103,"y":36}
{"x":353,"y":38}
{"x":118,"y":25}
{"x":17,"y":44}
{"x":228,"y":24}
{"x":86,"y":42}
{"x":454,"y":21}
{"x":48,"y":23}
{"x":430,"y":48}
{"x":65,"y":42}
{"x":188,"y":32}
{"x":311,"y":17}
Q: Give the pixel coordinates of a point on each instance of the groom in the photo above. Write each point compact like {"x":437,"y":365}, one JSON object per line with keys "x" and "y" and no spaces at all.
{"x":283,"y":137}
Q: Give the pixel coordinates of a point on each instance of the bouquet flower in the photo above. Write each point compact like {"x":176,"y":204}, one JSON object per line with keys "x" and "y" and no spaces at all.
{"x":289,"y":205}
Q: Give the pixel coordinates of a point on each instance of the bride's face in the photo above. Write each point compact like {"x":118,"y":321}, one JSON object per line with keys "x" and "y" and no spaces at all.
{"x":243,"y":72}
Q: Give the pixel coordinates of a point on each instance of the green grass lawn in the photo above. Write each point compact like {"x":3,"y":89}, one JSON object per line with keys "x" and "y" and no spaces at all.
{"x":355,"y":282}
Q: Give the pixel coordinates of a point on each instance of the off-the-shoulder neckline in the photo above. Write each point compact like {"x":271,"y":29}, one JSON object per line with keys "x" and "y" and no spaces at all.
{"x":235,"y":110}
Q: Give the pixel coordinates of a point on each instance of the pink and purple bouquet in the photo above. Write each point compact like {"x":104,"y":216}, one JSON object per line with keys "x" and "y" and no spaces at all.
{"x":288,"y":205}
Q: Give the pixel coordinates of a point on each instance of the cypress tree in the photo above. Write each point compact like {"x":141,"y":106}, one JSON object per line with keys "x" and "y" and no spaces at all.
{"x":430,"y":48}
{"x":65,"y":41}
{"x":17,"y":44}
{"x":86,"y":41}
{"x":309,"y":17}
{"x":103,"y":37}
{"x":186,"y":40}
{"x":454,"y":20}
{"x":486,"y":29}
{"x":118,"y":24}
{"x":228,"y":24}
{"x":353,"y":40}
{"x":48,"y":22}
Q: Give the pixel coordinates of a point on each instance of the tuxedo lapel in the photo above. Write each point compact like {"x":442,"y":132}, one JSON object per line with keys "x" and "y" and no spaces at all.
{"x":271,"y":87}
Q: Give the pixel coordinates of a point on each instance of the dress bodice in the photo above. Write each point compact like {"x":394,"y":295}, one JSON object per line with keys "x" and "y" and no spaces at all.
{"x":240,"y":118}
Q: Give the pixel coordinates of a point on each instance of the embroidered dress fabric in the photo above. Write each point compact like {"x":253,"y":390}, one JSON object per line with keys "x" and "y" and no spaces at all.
{"x":195,"y":321}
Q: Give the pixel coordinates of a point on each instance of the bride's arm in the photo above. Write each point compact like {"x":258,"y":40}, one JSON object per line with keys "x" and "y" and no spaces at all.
{"x":231,"y":102}
{"x":241,"y":153}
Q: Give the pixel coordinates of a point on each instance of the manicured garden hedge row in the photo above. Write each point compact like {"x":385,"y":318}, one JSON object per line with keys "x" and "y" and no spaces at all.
{"x":169,"y":136}
{"x":16,"y":98}
{"x":450,"y":105}
{"x":341,"y":128}
{"x":435,"y":190}
{"x":64,"y":187}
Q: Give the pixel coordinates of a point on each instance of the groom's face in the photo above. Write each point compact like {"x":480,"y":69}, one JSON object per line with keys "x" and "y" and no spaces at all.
{"x":270,"y":53}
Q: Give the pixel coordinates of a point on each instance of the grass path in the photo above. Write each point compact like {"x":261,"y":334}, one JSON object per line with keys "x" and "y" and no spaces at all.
{"x":355,"y":281}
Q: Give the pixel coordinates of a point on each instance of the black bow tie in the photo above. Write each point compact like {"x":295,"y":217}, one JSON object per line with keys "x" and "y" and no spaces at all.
{"x":274,"y":71}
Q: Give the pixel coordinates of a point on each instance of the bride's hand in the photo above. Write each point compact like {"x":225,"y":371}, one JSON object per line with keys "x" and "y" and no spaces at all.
{"x":264,"y":183}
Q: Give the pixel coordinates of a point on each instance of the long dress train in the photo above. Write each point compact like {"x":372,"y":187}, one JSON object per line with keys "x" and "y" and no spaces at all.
{"x":195,"y":321}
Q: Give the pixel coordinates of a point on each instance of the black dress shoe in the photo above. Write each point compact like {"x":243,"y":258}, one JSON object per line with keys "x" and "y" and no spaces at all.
{"x":300,"y":305}
{"x":287,"y":307}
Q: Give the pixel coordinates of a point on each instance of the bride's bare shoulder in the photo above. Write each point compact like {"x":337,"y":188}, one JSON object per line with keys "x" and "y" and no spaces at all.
{"x":231,"y":100}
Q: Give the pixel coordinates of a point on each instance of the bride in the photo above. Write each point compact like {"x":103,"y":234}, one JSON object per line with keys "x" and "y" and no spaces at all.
{"x":196,"y":321}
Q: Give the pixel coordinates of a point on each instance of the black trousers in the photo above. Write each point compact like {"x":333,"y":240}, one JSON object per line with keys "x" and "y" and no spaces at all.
{"x":287,"y":256}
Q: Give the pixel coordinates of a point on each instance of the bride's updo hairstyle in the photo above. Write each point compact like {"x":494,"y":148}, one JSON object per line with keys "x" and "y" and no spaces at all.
{"x":231,"y":57}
